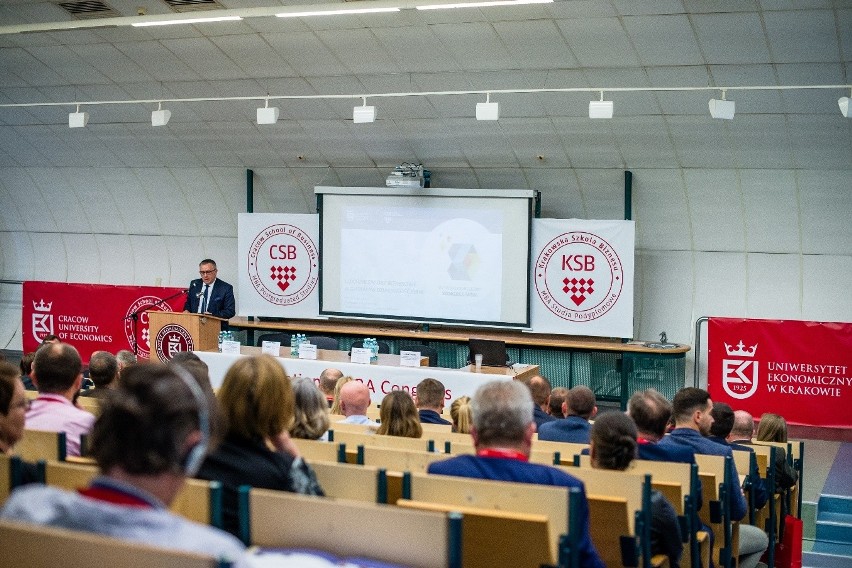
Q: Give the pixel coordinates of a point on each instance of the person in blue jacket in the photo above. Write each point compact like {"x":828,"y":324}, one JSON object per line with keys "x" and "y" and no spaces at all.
{"x":502,"y":433}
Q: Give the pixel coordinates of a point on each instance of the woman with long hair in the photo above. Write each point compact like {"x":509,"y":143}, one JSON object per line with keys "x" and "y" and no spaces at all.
{"x":398,"y":416}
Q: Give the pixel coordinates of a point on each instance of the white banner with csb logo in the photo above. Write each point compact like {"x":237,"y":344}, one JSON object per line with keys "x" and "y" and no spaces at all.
{"x":582,"y":279}
{"x":279,"y":264}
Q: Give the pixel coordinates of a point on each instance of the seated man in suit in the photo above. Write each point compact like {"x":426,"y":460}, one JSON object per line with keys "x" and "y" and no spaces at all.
{"x":502,"y":433}
{"x":575,"y":428}
{"x":103,"y":370}
{"x":153,"y":432}
{"x":651,"y":412}
{"x":692,"y":409}
{"x":429,"y":398}
{"x":209,"y":295}
{"x":720,"y":430}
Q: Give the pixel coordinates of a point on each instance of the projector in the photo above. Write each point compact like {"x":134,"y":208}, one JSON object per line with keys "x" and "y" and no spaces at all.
{"x":408,"y":175}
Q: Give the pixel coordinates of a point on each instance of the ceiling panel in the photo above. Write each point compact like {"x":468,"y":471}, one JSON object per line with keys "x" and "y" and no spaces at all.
{"x":599,"y":42}
{"x":664,"y":40}
{"x":731,"y":38}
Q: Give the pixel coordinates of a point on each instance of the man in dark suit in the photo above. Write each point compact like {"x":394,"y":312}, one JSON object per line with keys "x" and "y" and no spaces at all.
{"x":741,"y":434}
{"x":209,"y":295}
{"x":429,"y":399}
{"x":651,"y":412}
{"x":575,"y":428}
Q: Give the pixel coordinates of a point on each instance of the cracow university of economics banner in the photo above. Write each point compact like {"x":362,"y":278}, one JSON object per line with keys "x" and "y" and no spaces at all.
{"x":582,"y":277}
{"x":278,"y":265}
{"x":801,"y":370}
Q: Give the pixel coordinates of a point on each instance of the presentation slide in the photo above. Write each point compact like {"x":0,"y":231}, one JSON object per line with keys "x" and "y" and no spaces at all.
{"x":436,"y":258}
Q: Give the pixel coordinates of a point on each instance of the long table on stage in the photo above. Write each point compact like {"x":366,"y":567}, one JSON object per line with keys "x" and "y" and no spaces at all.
{"x":381,"y":377}
{"x":612,"y":368}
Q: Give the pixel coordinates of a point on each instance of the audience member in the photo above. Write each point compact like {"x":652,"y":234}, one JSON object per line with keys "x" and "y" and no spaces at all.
{"x":50,"y":339}
{"x":651,"y":412}
{"x":460,"y":413}
{"x":257,"y":401}
{"x":502,"y":433}
{"x":399,"y":416}
{"x":772,"y":428}
{"x":540,"y":390}
{"x":103,"y":370}
{"x":786,"y":475}
{"x":429,"y":398}
{"x":613,"y":446}
{"x":692,"y":409}
{"x":125,"y":359}
{"x":311,"y":420}
{"x":13,"y":409}
{"x":151,"y":433}
{"x":57,"y":372}
{"x":354,"y":402}
{"x":327,"y":381}
{"x":558,"y":396}
{"x":26,"y":365}
{"x":720,"y":431}
{"x":335,"y":406}
{"x":198,"y":368}
{"x":579,"y":408}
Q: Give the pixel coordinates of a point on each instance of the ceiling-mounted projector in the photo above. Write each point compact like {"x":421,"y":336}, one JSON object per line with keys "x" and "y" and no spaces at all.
{"x":408,"y":175}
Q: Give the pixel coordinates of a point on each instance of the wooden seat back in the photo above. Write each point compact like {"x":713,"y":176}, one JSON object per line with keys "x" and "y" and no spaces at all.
{"x":41,"y":445}
{"x":566,"y":450}
{"x":355,"y":439}
{"x":421,"y":539}
{"x":393,"y":459}
{"x":353,"y":482}
{"x":318,"y":451}
{"x":33,"y":545}
{"x":90,"y":404}
{"x":497,"y":538}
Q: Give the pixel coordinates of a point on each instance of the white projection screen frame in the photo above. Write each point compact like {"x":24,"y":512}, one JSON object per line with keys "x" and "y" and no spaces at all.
{"x":457,"y":256}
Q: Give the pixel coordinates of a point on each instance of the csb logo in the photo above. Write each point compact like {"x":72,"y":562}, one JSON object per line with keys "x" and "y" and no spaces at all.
{"x":283,"y":264}
{"x":740,"y":375}
{"x":171,"y":340}
{"x":579,"y":276}
{"x":42,"y":320}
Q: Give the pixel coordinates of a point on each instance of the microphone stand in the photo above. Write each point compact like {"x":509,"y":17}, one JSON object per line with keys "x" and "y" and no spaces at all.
{"x":135,"y":315}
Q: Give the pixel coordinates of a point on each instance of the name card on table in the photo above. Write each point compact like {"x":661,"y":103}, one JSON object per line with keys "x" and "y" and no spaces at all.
{"x":409,"y":358}
{"x":361,"y":355}
{"x":307,"y":351}
{"x":232,"y":347}
{"x":271,"y":348}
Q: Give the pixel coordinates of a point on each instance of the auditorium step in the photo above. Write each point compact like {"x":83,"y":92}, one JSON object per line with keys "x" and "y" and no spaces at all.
{"x":821,"y":560}
{"x":834,"y":520}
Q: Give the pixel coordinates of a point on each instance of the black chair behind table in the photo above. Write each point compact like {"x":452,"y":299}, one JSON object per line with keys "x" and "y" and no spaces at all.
{"x":425,"y":351}
{"x":383,"y":346}
{"x":324,"y":342}
{"x":283,"y":338}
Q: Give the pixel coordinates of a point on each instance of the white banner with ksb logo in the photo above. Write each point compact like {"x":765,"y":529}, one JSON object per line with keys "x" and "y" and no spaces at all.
{"x":279,"y":264}
{"x":582,"y":277}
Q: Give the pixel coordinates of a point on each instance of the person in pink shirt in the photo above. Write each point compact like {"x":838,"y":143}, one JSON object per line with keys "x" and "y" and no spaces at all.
{"x":58,"y":374}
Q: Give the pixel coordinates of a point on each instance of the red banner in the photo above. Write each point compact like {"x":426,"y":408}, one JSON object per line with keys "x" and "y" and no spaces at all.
{"x":93,"y":317}
{"x":801,"y":370}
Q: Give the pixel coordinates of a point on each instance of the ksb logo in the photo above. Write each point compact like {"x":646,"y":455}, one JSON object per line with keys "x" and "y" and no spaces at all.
{"x":578,"y":262}
{"x":284,"y":252}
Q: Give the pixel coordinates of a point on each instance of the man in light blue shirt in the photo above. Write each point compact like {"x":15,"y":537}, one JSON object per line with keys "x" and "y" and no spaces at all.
{"x":354,"y":402}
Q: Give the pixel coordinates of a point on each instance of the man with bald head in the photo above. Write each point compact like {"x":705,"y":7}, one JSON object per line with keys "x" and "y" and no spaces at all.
{"x":327,"y":382}
{"x":58,"y":374}
{"x":579,"y":409}
{"x":742,"y":432}
{"x":354,"y":402}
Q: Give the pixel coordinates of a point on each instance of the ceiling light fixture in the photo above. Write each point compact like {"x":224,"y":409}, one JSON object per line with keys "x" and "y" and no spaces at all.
{"x":364,"y":113}
{"x":723,"y":108}
{"x":336,"y":12}
{"x":160,"y":117}
{"x":267,"y":114}
{"x":450,"y":6}
{"x":78,"y":119}
{"x":845,"y":104}
{"x":487,"y":110}
{"x":186,"y":21}
{"x":601,"y":108}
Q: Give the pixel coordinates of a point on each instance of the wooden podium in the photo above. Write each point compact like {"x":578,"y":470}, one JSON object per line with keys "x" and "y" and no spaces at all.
{"x":170,"y":332}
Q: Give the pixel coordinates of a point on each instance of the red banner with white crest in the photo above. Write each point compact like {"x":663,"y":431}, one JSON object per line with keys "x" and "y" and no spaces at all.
{"x":801,"y":370}
{"x":94,"y":317}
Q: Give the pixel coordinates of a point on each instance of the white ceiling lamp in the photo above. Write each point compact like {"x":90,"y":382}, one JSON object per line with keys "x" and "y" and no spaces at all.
{"x":486,"y":4}
{"x":845,"y":103}
{"x":267,"y":114}
{"x":342,"y":12}
{"x":78,"y":119}
{"x":601,"y":108}
{"x":160,"y":117}
{"x":186,"y":21}
{"x":487,"y":110}
{"x":364,"y":113}
{"x":723,"y":108}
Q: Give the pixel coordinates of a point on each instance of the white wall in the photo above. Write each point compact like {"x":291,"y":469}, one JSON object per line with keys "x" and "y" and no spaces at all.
{"x":716,"y":242}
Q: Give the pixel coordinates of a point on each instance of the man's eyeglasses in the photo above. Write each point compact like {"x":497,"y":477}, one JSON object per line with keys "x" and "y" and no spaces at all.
{"x":203,"y":272}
